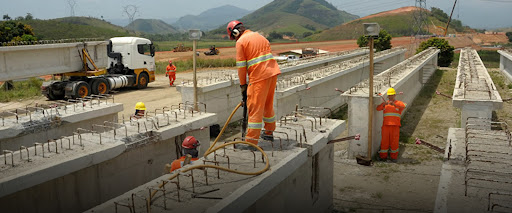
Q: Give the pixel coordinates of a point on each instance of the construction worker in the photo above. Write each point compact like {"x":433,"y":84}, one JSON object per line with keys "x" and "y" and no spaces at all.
{"x":254,"y":58}
{"x":391,"y":125}
{"x":171,"y":72}
{"x":140,"y":109}
{"x":189,"y":146}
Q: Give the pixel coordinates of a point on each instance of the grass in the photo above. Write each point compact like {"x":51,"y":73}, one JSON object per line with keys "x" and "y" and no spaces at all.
{"x":202,"y":44}
{"x":22,"y":90}
{"x":491,"y":58}
{"x":185,"y":65}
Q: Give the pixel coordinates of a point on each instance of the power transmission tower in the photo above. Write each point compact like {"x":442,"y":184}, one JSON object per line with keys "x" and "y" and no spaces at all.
{"x":420,"y":18}
{"x":72,"y":4}
{"x":131,"y":10}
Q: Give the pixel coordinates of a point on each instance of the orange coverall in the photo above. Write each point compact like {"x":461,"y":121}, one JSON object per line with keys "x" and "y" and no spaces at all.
{"x":254,"y":58}
{"x":171,"y":72}
{"x":178,"y":163}
{"x":390,"y":128}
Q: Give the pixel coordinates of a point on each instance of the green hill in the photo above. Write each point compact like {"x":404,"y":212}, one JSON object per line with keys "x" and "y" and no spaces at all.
{"x":74,"y":27}
{"x":152,"y":26}
{"x":211,"y":19}
{"x":396,"y":22}
{"x":297,"y":16}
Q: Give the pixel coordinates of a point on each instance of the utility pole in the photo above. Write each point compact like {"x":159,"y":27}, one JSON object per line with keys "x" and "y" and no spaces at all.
{"x":130,"y":11}
{"x":420,"y":18}
{"x":194,"y":35}
{"x":72,"y":4}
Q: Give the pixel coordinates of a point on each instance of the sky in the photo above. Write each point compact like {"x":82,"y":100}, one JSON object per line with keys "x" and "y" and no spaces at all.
{"x":483,"y":14}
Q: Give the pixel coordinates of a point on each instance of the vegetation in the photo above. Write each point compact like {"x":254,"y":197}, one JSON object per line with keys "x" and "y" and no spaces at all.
{"x":168,"y":45}
{"x":446,"y":54}
{"x":491,"y":58}
{"x":509,"y":35}
{"x":15,"y":31}
{"x":22,"y":90}
{"x":151,"y":26}
{"x":443,"y":17}
{"x":185,"y":65}
{"x":383,"y":42}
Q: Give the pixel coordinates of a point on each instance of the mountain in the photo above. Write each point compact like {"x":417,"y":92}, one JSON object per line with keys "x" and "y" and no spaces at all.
{"x":397,"y":22}
{"x":74,"y":27}
{"x":297,"y":16}
{"x":212,"y":18}
{"x":152,"y":26}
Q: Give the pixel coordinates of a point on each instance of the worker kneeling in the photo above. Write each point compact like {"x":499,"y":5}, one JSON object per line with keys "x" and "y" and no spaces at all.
{"x":254,"y":58}
{"x":391,"y":125}
{"x":189,"y":146}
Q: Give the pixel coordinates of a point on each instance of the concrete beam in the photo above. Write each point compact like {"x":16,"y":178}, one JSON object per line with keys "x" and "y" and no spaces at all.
{"x":506,"y":63}
{"x":474,"y":92}
{"x":27,"y":61}
{"x":407,"y":77}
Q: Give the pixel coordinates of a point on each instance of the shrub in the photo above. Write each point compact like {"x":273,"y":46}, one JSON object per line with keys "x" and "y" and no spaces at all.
{"x":383,"y":42}
{"x":446,"y":54}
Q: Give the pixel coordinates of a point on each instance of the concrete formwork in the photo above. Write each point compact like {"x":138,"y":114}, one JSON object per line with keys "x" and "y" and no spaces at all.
{"x":221,"y":91}
{"x":408,"y":77}
{"x":474,"y":92}
{"x":37,"y":60}
{"x":299,"y":180}
{"x":475,"y":176}
{"x":37,"y":124}
{"x":92,"y":166}
{"x":506,"y":63}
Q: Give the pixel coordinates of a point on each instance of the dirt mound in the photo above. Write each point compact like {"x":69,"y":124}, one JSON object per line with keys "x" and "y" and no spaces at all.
{"x":390,"y":12}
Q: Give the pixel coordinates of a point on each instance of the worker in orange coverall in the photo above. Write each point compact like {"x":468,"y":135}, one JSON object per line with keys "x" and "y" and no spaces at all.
{"x":391,"y":125}
{"x":171,"y":72}
{"x":254,"y":58}
{"x":189,"y":146}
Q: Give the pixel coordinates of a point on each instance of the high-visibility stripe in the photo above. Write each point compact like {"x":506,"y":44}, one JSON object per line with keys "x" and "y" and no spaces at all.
{"x":241,"y":64}
{"x":260,"y":59}
{"x":394,"y":151}
{"x":392,"y":114}
{"x":254,"y":125}
{"x":269,"y":120}
{"x":383,"y":151}
{"x":405,"y":105}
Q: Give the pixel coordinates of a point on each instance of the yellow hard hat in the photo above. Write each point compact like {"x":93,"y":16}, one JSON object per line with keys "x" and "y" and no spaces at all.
{"x":140,"y":106}
{"x":391,"y":91}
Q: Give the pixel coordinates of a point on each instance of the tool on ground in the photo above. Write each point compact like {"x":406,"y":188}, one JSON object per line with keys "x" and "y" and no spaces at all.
{"x":429,"y":145}
{"x":336,"y":89}
{"x":441,"y":94}
{"x":356,"y":137}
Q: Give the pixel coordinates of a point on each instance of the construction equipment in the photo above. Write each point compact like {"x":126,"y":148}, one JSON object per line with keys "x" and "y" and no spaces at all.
{"x":131,"y":63}
{"x":212,"y":51}
{"x":181,"y":48}
{"x":309,"y":52}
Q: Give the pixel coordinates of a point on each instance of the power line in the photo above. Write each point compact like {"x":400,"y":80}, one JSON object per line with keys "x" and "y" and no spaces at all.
{"x":72,"y":4}
{"x":420,"y":18}
{"x":130,"y":11}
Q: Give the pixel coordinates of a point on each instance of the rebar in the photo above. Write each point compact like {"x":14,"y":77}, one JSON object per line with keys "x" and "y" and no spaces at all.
{"x":12,"y":156}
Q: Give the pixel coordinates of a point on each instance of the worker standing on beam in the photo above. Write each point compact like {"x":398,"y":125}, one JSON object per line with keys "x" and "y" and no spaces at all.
{"x":190,"y":152}
{"x":254,"y":58}
{"x":171,"y":72}
{"x":391,"y":125}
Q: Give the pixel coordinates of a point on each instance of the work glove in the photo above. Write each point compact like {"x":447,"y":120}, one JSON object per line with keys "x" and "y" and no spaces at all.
{"x":243,"y":89}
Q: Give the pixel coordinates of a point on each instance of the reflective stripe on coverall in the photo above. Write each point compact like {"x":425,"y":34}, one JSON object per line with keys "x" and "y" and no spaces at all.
{"x":171,"y":72}
{"x":254,"y":58}
{"x":178,"y":163}
{"x":390,"y":129}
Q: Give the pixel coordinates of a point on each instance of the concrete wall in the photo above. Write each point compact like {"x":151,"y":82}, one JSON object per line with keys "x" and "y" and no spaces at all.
{"x":12,"y":137}
{"x":37,"y":60}
{"x":410,"y":82}
{"x":297,"y":192}
{"x":506,"y":63}
{"x":82,"y":182}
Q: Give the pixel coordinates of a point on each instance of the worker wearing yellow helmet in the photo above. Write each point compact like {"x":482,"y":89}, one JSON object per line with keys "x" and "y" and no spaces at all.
{"x":140,"y":109}
{"x":391,"y":125}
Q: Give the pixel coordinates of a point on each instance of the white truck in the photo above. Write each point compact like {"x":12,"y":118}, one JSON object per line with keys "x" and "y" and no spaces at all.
{"x":130,"y":63}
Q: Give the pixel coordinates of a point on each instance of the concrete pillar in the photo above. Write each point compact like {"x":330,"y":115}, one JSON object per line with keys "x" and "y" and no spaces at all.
{"x":358,"y":124}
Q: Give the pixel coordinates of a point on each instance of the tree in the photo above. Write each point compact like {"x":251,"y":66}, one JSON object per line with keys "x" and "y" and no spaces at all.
{"x":275,"y":35}
{"x":29,"y":16}
{"x":16,"y":31}
{"x":306,"y":34}
{"x":383,"y":42}
{"x":7,"y":17}
{"x":446,"y":54}
{"x":509,"y":35}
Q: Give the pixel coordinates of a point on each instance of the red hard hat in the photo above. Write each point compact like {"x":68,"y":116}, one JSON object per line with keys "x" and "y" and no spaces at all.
{"x":190,"y":142}
{"x":170,"y":61}
{"x":231,"y":26}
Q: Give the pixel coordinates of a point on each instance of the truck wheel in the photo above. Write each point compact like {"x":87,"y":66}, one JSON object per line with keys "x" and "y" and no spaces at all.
{"x":143,"y":81}
{"x":81,"y":90}
{"x":100,"y":86}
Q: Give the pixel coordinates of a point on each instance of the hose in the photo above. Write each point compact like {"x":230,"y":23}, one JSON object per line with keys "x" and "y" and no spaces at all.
{"x":211,"y":149}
